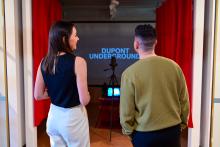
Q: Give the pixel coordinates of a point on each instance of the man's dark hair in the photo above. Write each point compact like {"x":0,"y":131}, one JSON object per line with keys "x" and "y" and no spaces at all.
{"x":147,"y":34}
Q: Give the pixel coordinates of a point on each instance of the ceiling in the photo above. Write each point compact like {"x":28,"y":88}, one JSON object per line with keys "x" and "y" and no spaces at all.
{"x":99,"y":10}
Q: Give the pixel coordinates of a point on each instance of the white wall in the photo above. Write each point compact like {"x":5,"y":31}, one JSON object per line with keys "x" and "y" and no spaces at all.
{"x":15,"y":72}
{"x":216,"y":125}
{"x":194,"y":133}
{"x":2,"y":67}
{"x":217,"y":60}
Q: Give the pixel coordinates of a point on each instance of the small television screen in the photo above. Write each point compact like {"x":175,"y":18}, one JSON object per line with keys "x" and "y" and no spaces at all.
{"x":116,"y":92}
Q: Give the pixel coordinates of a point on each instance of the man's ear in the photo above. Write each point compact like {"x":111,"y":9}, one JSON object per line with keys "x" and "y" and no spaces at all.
{"x":136,"y":44}
{"x":155,"y":42}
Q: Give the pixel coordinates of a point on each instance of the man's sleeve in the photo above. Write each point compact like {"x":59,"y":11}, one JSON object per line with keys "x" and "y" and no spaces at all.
{"x":184,"y":101}
{"x":127,"y":105}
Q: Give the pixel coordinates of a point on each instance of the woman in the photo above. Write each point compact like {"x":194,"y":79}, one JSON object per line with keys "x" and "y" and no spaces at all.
{"x":63,"y":77}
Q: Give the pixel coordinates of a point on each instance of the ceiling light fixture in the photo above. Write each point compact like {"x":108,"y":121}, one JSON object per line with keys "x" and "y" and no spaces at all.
{"x":113,"y":8}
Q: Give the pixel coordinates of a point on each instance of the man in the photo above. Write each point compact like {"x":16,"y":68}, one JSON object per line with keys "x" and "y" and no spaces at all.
{"x":154,"y":102}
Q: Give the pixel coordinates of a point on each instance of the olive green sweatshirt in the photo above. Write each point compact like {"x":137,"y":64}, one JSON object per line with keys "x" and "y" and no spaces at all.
{"x":154,"y":96}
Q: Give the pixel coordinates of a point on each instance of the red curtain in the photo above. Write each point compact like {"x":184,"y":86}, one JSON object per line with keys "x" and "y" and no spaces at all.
{"x":175,"y":37}
{"x":44,"y":13}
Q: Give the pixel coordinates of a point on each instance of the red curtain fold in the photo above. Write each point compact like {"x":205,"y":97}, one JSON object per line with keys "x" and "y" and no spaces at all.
{"x":174,"y":24}
{"x":44,"y":14}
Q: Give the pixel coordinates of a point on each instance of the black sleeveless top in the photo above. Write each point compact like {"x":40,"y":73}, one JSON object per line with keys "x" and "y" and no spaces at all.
{"x":62,"y":87}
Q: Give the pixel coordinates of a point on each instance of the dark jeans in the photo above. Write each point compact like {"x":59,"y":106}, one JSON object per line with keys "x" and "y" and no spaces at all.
{"x":169,"y":137}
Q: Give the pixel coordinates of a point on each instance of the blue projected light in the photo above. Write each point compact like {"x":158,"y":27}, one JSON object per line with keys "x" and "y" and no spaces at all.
{"x":116,"y":92}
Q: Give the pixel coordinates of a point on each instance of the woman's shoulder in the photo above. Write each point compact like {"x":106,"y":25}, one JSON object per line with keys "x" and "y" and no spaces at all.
{"x":80,"y":59}
{"x":80,"y":65}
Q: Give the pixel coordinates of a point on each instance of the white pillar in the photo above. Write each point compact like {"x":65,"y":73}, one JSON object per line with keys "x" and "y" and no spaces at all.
{"x":31,"y":131}
{"x":207,"y":73}
{"x":15,"y":71}
{"x":194,"y":133}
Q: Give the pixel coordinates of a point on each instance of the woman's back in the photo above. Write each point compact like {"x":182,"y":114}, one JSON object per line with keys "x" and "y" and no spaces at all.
{"x":61,"y":85}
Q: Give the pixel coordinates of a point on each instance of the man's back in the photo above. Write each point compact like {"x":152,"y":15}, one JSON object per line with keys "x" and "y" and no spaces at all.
{"x":154,"y":89}
{"x":154,"y":102}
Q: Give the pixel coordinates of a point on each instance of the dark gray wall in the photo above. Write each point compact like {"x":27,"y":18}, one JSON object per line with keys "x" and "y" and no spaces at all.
{"x":95,"y":36}
{"x":98,"y":10}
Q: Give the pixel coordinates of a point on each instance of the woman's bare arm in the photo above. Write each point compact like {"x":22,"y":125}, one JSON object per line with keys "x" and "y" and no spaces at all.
{"x":81,"y":79}
{"x":40,"y":91}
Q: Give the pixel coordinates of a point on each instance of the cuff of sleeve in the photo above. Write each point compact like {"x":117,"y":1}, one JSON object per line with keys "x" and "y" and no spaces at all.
{"x":125,"y":132}
{"x":182,"y":126}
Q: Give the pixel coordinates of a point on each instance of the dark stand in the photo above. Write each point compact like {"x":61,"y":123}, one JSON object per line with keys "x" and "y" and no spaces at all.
{"x":112,"y":82}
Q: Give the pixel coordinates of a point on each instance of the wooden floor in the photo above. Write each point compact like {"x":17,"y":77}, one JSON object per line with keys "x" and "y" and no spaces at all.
{"x":99,"y":136}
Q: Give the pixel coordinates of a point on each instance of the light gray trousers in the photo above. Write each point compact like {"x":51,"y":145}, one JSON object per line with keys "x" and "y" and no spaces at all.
{"x":68,"y":127}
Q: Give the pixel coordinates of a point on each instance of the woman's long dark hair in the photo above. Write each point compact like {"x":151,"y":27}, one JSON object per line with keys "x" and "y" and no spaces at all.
{"x":59,"y":35}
